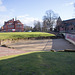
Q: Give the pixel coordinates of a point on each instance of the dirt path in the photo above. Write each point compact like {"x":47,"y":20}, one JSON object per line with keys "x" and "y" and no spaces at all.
{"x":36,"y":45}
{"x":32,"y":45}
{"x":39,"y":45}
{"x":7,"y":51}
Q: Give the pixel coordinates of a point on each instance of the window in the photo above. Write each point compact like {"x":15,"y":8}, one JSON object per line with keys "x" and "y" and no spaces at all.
{"x":10,"y":23}
{"x":10,"y":26}
{"x":19,"y":23}
{"x":9,"y":30}
{"x":71,"y":28}
{"x":19,"y":26}
{"x":18,"y":30}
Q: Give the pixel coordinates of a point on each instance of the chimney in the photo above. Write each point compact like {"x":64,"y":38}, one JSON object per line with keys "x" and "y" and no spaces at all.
{"x":13,"y":19}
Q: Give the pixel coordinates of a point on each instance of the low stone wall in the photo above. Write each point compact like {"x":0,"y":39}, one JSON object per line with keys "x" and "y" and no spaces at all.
{"x":8,"y":41}
{"x":70,"y":37}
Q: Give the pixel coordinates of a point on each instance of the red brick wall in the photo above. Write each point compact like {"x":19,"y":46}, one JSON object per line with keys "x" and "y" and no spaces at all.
{"x":67,"y":25}
{"x":11,"y":24}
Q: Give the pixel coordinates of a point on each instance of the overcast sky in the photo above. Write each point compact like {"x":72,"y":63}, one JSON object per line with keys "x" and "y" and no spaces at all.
{"x":29,"y":10}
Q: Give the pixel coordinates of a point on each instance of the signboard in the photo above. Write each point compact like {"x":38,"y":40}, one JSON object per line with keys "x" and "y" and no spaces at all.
{"x":70,"y":37}
{"x":13,"y":30}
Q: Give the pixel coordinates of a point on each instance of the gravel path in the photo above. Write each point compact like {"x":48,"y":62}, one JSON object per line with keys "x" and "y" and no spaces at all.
{"x":36,"y":45}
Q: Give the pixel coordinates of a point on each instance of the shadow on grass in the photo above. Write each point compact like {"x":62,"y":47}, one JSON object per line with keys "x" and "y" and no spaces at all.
{"x":39,"y":63}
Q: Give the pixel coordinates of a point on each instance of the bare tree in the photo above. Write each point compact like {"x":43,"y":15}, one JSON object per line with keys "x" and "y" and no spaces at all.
{"x":49,"y":19}
{"x":44,"y":26}
{"x":27,"y":28}
{"x":37,"y":26}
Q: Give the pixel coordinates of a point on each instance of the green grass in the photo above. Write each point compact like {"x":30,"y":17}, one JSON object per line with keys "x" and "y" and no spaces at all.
{"x":22,"y":35}
{"x":39,"y":63}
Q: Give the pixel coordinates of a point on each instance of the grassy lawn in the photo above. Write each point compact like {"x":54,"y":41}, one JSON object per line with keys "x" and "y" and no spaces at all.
{"x":22,"y":35}
{"x":39,"y":63}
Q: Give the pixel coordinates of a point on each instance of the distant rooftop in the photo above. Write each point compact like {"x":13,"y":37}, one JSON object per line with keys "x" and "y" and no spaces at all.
{"x":69,"y":19}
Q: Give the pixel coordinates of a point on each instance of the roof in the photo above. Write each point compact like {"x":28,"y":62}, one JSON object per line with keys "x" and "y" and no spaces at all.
{"x":69,"y":19}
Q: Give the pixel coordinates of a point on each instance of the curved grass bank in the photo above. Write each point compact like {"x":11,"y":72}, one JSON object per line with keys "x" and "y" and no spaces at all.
{"x":23,"y":35}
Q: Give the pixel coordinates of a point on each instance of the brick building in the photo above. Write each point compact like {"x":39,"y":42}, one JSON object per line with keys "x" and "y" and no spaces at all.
{"x":13,"y":26}
{"x":66,"y":25}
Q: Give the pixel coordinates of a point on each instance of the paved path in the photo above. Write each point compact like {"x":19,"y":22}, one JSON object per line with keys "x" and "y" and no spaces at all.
{"x":36,"y":45}
{"x":62,"y":44}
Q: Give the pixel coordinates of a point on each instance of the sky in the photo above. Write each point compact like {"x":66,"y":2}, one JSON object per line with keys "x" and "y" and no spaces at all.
{"x":27,"y":11}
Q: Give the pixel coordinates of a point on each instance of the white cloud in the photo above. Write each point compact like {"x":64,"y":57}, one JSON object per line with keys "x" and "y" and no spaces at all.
{"x":11,"y":12}
{"x":69,"y":4}
{"x":2,"y":7}
{"x":23,"y":16}
{"x":0,"y":2}
{"x":26,"y":19}
{"x":3,"y":18}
